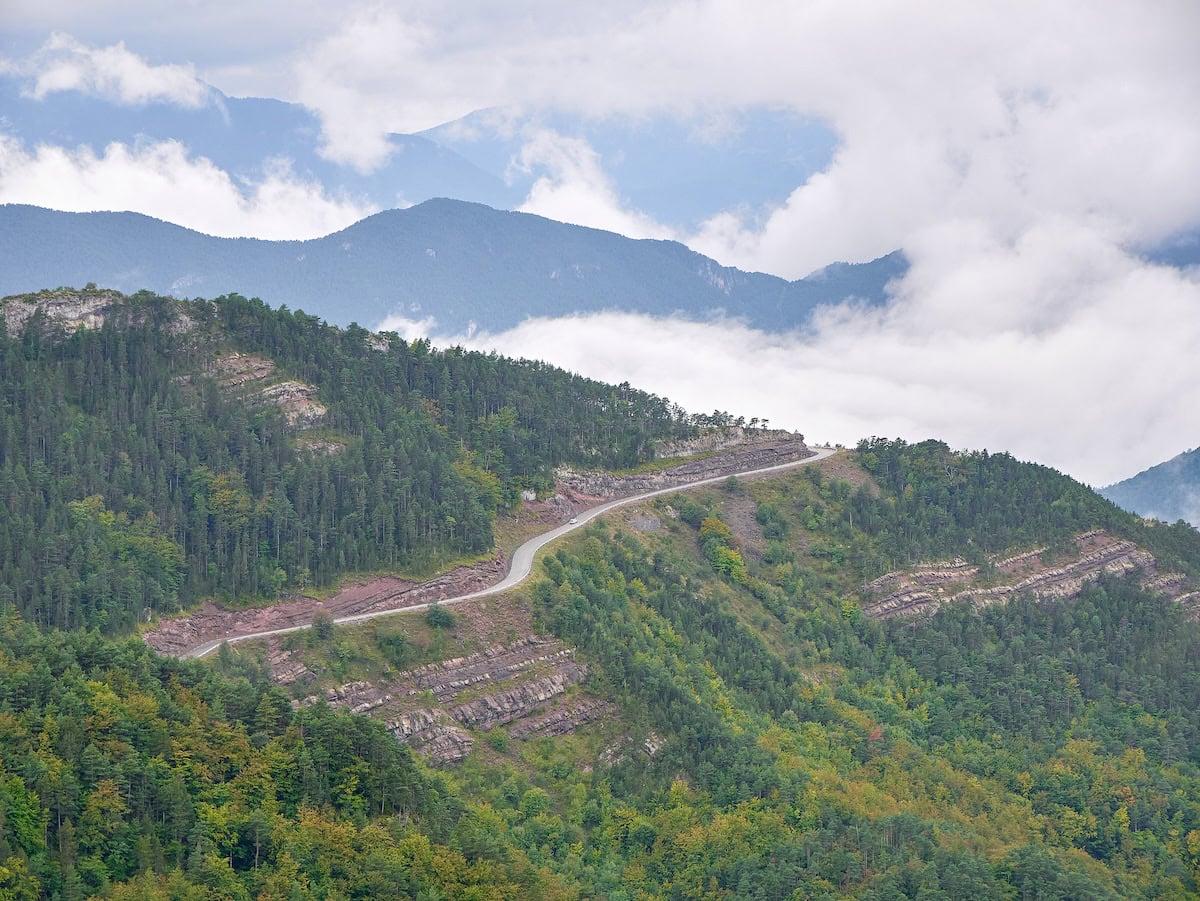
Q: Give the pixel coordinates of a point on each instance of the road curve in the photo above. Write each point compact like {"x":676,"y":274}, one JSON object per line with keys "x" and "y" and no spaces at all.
{"x":522,"y":559}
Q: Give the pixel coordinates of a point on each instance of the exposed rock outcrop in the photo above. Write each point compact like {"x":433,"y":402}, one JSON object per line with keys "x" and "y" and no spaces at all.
{"x":715,"y":439}
{"x":297,"y":401}
{"x":448,"y":678}
{"x":237,"y":370}
{"x":286,"y":670}
{"x":562,"y":719}
{"x":505,"y":706}
{"x":930,"y":586}
{"x":429,"y":733}
{"x":753,"y":453}
{"x":357,"y":697}
{"x":251,"y":376}
{"x":179,"y":635}
{"x":73,"y":309}
{"x":538,"y":672}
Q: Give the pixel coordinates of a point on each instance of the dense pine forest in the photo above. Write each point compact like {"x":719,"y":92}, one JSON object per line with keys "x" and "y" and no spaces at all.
{"x":134,"y":481}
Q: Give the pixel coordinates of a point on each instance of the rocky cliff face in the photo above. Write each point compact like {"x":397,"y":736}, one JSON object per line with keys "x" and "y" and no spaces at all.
{"x":718,"y":439}
{"x":253,"y":378}
{"x":72,"y":309}
{"x":930,"y":586}
{"x":530,"y":683}
{"x":752,"y":452}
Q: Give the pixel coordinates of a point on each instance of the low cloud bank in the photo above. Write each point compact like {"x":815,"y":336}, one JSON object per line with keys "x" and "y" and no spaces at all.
{"x":1055,"y":346}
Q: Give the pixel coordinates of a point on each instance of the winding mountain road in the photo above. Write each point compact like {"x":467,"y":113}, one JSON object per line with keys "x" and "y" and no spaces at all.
{"x":522,"y":559}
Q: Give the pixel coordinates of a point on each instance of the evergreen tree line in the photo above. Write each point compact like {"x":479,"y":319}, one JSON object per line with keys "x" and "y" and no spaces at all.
{"x":937,"y":504}
{"x":131,"y":482}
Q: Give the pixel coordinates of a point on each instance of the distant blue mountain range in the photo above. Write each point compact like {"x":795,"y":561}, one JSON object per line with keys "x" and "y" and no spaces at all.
{"x":242,"y":135}
{"x":678,"y":171}
{"x":464,"y":264}
{"x":1169,"y":491}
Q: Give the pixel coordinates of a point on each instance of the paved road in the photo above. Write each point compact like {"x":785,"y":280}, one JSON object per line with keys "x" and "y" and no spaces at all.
{"x":522,"y":560}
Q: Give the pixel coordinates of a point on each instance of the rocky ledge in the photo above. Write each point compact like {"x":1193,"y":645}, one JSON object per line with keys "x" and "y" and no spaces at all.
{"x":432,"y":707}
{"x":252,"y":377}
{"x":930,"y":586}
{"x":582,"y":487}
{"x":74,"y":309}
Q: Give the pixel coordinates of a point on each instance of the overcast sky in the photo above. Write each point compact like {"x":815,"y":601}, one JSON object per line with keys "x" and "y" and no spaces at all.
{"x":1021,"y":153}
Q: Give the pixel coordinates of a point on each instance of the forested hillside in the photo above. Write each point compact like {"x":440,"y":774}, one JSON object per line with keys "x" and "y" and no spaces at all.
{"x":760,"y":736}
{"x":180,"y":450}
{"x":133,"y":776}
{"x":696,"y":697}
{"x":1030,"y":749}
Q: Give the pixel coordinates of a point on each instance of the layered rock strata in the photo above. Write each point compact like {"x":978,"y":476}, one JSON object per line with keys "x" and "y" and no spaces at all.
{"x":527,"y":683}
{"x":503,"y":707}
{"x":428,"y":732}
{"x":930,"y":586}
{"x":286,"y":670}
{"x":448,"y":678}
{"x":754,"y":453}
{"x":562,"y":719}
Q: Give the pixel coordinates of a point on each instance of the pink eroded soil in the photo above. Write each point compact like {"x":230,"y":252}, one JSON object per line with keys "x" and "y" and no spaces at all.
{"x":176,"y":636}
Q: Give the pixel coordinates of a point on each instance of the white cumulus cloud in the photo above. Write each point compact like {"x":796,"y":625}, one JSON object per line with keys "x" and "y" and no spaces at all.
{"x":114,"y":72}
{"x":162,"y":180}
{"x":574,"y":187}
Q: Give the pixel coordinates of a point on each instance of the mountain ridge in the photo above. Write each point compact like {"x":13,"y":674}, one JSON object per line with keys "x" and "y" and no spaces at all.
{"x":465,"y":264}
{"x":1169,"y":491}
